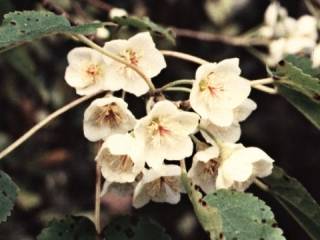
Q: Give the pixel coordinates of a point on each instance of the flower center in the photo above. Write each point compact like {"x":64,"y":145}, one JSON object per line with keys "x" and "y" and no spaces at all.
{"x":93,"y":71}
{"x":156,"y":128}
{"x":211,"y":167}
{"x":130,"y":56}
{"x":208,"y":84}
{"x":109,"y":115}
{"x":155,"y":187}
{"x":121,"y":163}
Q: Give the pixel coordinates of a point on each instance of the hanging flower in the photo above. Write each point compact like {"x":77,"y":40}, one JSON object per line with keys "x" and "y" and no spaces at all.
{"x":120,"y":159}
{"x":107,"y":116}
{"x":218,"y":90}
{"x":231,"y":133}
{"x":204,"y":168}
{"x":87,"y":71}
{"x":240,"y":166}
{"x":158,"y":185}
{"x":141,"y":52}
{"x":164,"y":133}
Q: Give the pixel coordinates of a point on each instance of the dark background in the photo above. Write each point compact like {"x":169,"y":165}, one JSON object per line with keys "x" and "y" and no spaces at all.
{"x":55,"y":168}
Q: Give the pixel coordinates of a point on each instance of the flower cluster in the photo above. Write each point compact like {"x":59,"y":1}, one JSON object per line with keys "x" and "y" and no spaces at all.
{"x":286,"y":34}
{"x":140,"y":156}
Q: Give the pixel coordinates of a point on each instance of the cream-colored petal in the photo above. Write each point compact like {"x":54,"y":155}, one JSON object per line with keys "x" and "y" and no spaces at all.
{"x":243,"y":111}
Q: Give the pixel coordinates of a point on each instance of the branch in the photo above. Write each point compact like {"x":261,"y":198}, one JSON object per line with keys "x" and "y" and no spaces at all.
{"x":100,"y":4}
{"x":212,"y":37}
{"x":44,"y":122}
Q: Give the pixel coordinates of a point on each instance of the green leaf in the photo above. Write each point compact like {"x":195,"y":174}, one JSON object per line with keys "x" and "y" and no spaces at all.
{"x":20,"y":27}
{"x":298,"y":79}
{"x":208,"y":216}
{"x":8,"y":195}
{"x":308,"y":108}
{"x":132,"y":228}
{"x":305,"y":64}
{"x":245,"y":217}
{"x":298,"y":82}
{"x":296,"y":200}
{"x":145,"y":24}
{"x":80,"y":228}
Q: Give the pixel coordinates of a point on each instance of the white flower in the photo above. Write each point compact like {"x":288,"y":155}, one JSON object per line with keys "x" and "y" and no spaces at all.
{"x":87,"y":71}
{"x":240,"y":165}
{"x":164,"y":133}
{"x":204,"y":168}
{"x":231,"y":133}
{"x":120,"y":159}
{"x":140,"y":51}
{"x":161,"y":185}
{"x":117,"y":12}
{"x":288,"y":35}
{"x":272,"y":16}
{"x":316,"y":56}
{"x":107,"y":116}
{"x":217,"y":90}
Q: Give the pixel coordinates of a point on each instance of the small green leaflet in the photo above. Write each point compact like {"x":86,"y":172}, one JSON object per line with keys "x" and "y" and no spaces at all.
{"x":20,"y":27}
{"x":80,"y":228}
{"x":245,"y":217}
{"x":145,"y":24}
{"x":296,"y":200}
{"x":8,"y":195}
{"x":207,"y":215}
{"x":133,"y":228}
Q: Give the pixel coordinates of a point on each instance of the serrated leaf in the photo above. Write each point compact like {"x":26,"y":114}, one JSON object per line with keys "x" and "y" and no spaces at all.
{"x":125,"y":228}
{"x":244,"y":216}
{"x":8,"y":195}
{"x":298,"y":79}
{"x":80,"y":228}
{"x":308,"y":108}
{"x":145,"y":24}
{"x":19,"y":27}
{"x":305,"y":64}
{"x":208,"y":216}
{"x":296,"y":200}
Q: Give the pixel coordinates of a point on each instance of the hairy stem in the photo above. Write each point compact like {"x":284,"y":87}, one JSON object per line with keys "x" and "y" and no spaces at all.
{"x":261,"y":185}
{"x":184,"y":56}
{"x":177,"y":82}
{"x":95,"y":46}
{"x":261,"y":81}
{"x":265,"y":89}
{"x":44,"y":122}
{"x":177,"y":89}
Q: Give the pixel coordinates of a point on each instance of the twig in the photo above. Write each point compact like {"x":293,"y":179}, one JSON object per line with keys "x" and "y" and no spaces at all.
{"x":261,"y":185}
{"x":265,"y":89}
{"x":184,"y":56}
{"x":97,"y":208}
{"x":44,"y":122}
{"x":211,"y":37}
{"x":261,"y":81}
{"x":177,"y":82}
{"x":177,"y":89}
{"x":100,"y":4}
